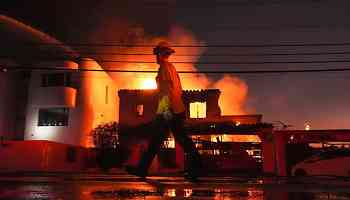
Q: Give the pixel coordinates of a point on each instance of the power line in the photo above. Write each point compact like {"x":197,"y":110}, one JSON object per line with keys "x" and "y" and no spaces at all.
{"x":218,"y":62}
{"x":228,"y":63}
{"x":204,"y":55}
{"x":39,"y":68}
{"x":282,"y":27}
{"x":213,"y":4}
{"x":231,"y":63}
{"x":192,"y":46}
{"x":227,"y":55}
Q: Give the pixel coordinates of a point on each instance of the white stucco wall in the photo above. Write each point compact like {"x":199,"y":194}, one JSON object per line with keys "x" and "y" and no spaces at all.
{"x":87,"y":104}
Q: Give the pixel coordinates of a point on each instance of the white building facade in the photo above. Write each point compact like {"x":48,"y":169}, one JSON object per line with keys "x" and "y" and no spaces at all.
{"x":65,"y":105}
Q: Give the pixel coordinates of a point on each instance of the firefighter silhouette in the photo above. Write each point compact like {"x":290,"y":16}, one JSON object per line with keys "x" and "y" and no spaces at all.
{"x":170,"y":117}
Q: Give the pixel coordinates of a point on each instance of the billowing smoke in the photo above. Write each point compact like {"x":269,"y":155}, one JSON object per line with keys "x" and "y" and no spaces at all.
{"x":179,"y":36}
{"x":233,"y":90}
{"x":233,"y":95}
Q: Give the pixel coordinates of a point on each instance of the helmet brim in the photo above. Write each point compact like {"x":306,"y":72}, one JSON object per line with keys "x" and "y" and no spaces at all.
{"x":163,"y":50}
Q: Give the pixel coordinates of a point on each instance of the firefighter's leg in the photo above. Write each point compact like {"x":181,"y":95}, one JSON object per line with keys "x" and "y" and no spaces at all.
{"x":158,"y":136}
{"x":194,"y":166}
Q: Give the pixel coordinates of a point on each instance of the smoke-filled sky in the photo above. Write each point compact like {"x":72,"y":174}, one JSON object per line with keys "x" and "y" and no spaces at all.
{"x":320,"y":99}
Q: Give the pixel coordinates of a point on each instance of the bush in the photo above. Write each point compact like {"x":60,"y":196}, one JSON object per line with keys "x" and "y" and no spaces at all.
{"x":105,"y":136}
{"x":106,"y":141}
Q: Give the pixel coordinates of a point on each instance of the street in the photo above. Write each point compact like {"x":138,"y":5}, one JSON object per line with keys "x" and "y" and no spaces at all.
{"x":90,"y":186}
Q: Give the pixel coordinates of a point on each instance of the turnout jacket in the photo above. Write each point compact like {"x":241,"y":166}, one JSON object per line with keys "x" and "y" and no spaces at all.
{"x":170,"y":89}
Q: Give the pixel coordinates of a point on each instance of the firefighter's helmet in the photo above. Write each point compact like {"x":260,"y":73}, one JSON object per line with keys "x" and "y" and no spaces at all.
{"x":163,"y":48}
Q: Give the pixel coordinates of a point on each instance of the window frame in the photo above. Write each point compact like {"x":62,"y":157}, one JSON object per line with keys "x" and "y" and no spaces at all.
{"x":197,"y":115}
{"x":140,"y":110}
{"x":48,"y":79}
{"x":46,"y":117}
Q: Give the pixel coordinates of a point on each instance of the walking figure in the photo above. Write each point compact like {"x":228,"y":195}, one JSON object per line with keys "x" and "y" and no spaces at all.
{"x":170,"y":117}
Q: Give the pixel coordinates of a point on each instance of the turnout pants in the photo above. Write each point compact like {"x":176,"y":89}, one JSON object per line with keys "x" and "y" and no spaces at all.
{"x":161,"y":128}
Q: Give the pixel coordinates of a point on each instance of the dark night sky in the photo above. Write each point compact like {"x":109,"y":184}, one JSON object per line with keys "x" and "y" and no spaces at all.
{"x":319,"y":98}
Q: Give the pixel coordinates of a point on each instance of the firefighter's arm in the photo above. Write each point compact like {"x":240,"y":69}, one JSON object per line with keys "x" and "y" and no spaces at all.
{"x":163,"y":81}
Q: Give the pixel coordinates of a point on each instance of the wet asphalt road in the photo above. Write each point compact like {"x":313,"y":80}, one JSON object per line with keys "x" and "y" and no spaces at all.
{"x":123,"y":186}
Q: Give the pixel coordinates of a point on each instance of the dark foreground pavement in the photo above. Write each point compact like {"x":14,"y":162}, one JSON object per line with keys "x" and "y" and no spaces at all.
{"x":119,"y":185}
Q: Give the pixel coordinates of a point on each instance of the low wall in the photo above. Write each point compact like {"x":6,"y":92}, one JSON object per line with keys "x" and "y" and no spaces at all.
{"x":41,"y":156}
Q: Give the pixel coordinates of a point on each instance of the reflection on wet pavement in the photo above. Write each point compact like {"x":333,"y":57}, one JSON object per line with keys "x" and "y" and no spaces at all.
{"x":128,"y":187}
{"x":181,"y":193}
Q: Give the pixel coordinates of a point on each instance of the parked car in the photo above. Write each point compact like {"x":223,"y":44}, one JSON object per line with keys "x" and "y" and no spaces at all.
{"x":333,"y":162}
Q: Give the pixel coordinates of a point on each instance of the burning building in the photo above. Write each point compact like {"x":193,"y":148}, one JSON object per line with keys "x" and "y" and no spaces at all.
{"x":231,"y":139}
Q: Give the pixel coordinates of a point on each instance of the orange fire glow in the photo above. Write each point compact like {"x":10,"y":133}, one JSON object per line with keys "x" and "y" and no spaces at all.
{"x":147,"y":83}
{"x":233,"y":90}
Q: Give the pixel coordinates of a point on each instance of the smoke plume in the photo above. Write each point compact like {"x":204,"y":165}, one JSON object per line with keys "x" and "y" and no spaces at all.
{"x":233,"y":95}
{"x":233,"y":90}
